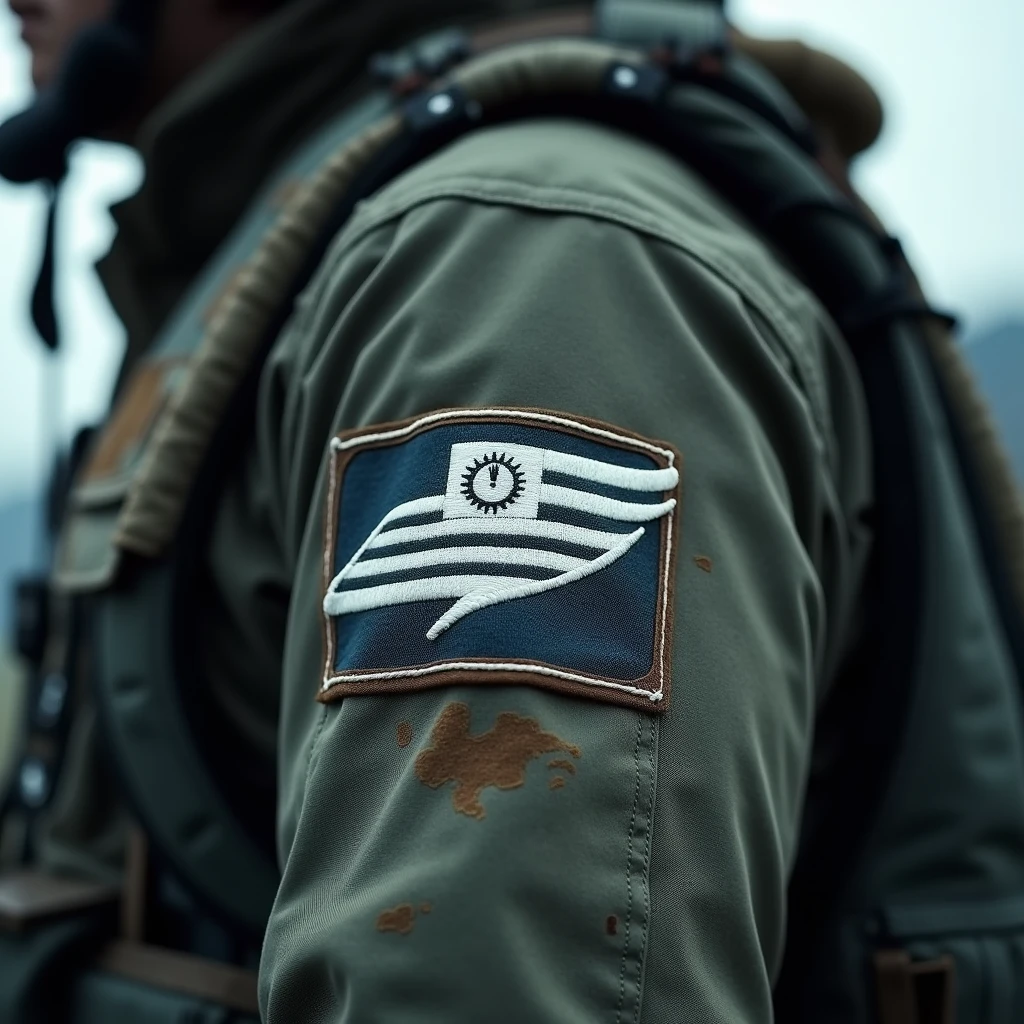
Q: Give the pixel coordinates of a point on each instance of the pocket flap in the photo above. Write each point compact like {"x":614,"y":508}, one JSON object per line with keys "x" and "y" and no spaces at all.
{"x":87,"y":557}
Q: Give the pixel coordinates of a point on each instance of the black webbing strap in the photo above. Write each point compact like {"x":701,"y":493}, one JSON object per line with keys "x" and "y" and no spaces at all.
{"x":894,"y":300}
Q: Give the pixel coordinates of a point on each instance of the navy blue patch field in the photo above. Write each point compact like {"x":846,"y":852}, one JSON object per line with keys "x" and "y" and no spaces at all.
{"x":500,"y":546}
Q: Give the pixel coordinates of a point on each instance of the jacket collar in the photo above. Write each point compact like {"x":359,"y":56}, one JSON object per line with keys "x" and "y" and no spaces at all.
{"x":206,"y":155}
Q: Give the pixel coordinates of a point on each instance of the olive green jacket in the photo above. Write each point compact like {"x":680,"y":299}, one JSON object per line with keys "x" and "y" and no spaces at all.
{"x":557,"y":266}
{"x":563,"y":267}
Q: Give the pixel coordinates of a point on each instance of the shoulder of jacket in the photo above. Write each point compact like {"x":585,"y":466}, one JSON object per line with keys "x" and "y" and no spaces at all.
{"x":572,"y":168}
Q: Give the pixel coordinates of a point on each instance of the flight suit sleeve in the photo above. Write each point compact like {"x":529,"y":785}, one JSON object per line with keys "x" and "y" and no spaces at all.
{"x":631,"y":863}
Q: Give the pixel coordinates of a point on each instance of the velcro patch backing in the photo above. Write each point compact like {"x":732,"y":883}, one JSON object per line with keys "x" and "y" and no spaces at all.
{"x":509,"y":546}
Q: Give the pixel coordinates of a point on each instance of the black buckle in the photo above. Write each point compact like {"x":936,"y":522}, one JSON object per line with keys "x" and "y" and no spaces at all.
{"x":684,"y":38}
{"x":441,"y":110}
{"x":683,"y":60}
{"x":408,"y":71}
{"x":644,"y":82}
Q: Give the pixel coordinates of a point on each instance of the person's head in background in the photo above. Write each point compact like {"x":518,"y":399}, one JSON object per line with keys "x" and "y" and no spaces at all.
{"x":189,"y":32}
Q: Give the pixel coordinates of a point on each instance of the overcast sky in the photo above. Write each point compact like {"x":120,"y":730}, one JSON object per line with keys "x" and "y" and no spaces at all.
{"x":948,"y":176}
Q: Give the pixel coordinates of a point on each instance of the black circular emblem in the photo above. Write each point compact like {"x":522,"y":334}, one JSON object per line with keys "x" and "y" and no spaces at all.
{"x":493,"y":482}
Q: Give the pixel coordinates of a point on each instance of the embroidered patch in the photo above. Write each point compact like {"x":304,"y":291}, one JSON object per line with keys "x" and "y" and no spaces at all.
{"x":500,"y":546}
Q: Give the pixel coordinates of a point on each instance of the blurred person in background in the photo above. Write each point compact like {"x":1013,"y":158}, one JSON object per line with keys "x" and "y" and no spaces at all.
{"x":545,"y":560}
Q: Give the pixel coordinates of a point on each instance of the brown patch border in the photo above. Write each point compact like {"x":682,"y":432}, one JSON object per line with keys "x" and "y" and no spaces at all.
{"x":434,"y":674}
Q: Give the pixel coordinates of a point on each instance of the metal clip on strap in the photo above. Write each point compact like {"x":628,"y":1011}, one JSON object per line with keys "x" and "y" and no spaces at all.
{"x":406,"y":71}
{"x":688,"y":26}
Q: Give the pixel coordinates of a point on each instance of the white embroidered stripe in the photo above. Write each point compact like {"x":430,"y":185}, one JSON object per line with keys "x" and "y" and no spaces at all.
{"x":598,"y":505}
{"x":608,"y":473}
{"x":434,"y":589}
{"x":505,"y":527}
{"x":453,"y":556}
{"x":473,"y":591}
{"x":485,"y":596}
{"x":417,"y":507}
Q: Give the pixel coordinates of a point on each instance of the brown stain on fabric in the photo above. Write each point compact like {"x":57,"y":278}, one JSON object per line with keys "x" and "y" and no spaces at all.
{"x":556,"y":783}
{"x":399,"y":919}
{"x":495,"y":758}
{"x":703,"y":563}
{"x":134,"y":414}
{"x":611,"y":925}
{"x":404,"y":734}
{"x":565,"y":766}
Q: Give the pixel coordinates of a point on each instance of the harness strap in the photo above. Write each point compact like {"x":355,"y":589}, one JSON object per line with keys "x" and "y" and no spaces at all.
{"x":28,"y":898}
{"x":227,"y":986}
{"x":914,"y":992}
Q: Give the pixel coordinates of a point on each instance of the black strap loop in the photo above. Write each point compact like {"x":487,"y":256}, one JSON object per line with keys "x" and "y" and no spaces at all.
{"x":893,"y":303}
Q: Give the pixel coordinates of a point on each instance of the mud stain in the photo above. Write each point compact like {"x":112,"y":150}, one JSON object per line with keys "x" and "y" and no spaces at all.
{"x":495,"y":758}
{"x":556,"y":783}
{"x":400,"y":919}
{"x":566,"y":766}
{"x":404,"y":734}
{"x":703,"y":563}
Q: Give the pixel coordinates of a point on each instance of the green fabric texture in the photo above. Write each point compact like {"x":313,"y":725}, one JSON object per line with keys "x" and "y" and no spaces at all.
{"x":563,"y":266}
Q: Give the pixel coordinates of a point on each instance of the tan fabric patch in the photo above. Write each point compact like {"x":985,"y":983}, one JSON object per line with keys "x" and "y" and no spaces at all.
{"x":496,"y":758}
{"x":133,"y":417}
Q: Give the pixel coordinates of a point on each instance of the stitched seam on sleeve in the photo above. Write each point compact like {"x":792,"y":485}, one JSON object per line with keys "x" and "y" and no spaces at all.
{"x":565,"y":200}
{"x":642,"y":959}
{"x":629,"y":874}
{"x":312,"y":751}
